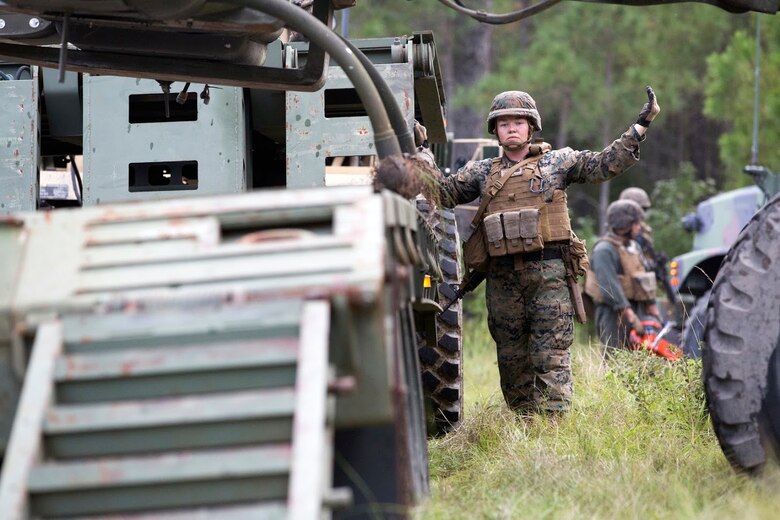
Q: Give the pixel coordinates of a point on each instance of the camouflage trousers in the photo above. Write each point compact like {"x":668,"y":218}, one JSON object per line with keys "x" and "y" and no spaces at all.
{"x":530,"y":317}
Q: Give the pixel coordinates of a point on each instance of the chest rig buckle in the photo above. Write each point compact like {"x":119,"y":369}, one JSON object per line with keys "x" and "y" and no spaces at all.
{"x":543,"y":184}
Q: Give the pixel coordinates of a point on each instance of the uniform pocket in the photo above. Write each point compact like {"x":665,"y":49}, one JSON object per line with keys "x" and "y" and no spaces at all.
{"x":644,"y":286}
{"x":494,"y":235}
{"x":475,"y":254}
{"x":523,"y":231}
{"x":579,"y":255}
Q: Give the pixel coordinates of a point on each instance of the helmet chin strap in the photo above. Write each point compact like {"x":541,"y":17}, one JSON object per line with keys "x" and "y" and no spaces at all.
{"x":517,"y":146}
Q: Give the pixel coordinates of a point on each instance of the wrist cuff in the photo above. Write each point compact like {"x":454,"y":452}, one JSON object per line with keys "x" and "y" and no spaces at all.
{"x":643,"y":122}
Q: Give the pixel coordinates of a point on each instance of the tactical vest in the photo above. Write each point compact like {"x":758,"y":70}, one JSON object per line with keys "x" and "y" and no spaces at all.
{"x":518,"y":219}
{"x":637,"y":283}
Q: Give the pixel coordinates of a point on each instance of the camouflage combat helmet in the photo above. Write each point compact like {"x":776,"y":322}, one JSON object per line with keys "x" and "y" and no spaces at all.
{"x":513,"y":103}
{"x":638,"y":195}
{"x":624,"y":213}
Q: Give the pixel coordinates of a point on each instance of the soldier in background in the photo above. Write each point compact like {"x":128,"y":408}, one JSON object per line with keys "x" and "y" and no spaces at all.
{"x":523,"y":241}
{"x":645,"y":237}
{"x":656,"y":259}
{"x":620,"y":280}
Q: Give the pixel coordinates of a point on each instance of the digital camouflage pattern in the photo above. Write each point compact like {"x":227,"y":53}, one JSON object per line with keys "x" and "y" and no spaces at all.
{"x":530,"y":317}
{"x":558,"y":168}
{"x":514,"y":103}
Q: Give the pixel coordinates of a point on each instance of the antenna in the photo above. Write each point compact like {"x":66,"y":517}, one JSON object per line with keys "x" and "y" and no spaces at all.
{"x":756,"y":77}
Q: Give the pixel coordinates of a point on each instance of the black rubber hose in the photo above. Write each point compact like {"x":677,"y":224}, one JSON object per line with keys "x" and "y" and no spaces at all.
{"x":299,"y":20}
{"x":499,"y":19}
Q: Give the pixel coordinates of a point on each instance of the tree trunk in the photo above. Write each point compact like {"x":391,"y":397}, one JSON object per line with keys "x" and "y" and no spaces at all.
{"x":607,"y":132}
{"x":471,"y":60}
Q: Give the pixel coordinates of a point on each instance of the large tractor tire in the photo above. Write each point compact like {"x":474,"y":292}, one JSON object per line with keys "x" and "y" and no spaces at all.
{"x":693,"y":332}
{"x":441,"y":364}
{"x":741,"y":341}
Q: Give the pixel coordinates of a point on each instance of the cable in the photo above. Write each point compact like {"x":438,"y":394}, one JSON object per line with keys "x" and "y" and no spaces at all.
{"x":500,"y":19}
{"x":76,"y":174}
{"x":21,"y":70}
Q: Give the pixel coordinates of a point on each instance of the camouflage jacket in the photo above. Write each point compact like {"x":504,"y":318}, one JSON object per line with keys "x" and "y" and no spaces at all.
{"x":560,"y":167}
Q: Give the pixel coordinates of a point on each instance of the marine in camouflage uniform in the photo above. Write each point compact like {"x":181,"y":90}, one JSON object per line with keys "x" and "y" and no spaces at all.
{"x":645,"y":237}
{"x":530,"y":314}
{"x":618,"y":311}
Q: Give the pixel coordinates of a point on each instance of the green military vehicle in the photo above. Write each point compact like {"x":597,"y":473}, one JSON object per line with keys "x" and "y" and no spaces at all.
{"x":188,"y":349}
{"x":715,"y":225}
{"x":231,"y":323}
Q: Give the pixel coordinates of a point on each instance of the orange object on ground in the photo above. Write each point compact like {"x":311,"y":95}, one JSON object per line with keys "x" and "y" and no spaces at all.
{"x":653,"y":340}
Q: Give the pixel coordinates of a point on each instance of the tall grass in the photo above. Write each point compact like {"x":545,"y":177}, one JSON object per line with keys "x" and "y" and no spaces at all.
{"x":637,"y":443}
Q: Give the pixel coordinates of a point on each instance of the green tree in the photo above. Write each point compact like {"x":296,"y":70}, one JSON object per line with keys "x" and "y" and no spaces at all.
{"x":673,"y":198}
{"x":730,"y":84}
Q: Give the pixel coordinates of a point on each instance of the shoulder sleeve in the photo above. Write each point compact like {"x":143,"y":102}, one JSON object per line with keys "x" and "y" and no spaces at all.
{"x":595,"y":167}
{"x":466,"y":185}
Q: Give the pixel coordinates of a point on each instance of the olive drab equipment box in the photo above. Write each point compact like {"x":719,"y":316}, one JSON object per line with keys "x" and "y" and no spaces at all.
{"x":201,"y":354}
{"x":188,"y":348}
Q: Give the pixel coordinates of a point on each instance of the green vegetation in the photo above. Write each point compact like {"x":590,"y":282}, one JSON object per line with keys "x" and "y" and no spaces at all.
{"x":586,"y":65}
{"x":637,"y":444}
{"x":673,"y":198}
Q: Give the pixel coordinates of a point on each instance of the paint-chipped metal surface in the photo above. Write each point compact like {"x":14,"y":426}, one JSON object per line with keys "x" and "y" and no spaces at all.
{"x":19,"y":145}
{"x":185,"y":334}
{"x":216,"y":140}
{"x":312,"y":138}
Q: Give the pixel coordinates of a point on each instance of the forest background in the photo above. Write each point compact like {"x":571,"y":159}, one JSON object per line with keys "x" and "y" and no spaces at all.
{"x":587,"y":65}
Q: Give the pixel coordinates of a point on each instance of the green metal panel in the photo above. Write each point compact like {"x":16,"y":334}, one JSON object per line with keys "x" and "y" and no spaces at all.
{"x":186,"y":479}
{"x":184,"y":331}
{"x":11,"y":248}
{"x":216,"y":140}
{"x":312,"y":137}
{"x":171,"y":371}
{"x":19,"y":145}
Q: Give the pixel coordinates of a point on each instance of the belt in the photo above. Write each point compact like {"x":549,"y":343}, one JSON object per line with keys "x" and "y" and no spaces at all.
{"x":548,"y":253}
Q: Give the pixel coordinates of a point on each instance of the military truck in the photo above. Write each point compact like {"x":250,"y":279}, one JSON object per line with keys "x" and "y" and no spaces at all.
{"x":242,"y":355}
{"x":222,"y":329}
{"x":715,"y":225}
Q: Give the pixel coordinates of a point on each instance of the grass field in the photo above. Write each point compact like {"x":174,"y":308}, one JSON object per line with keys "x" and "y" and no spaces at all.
{"x":637,"y":444}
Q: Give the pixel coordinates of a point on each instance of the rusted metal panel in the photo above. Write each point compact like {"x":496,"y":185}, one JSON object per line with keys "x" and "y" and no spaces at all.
{"x":183,"y":479}
{"x":75,"y":281}
{"x":11,"y":247}
{"x":202,"y":430}
{"x":156,"y":321}
{"x":192,"y":358}
{"x":236,"y":406}
{"x":310,"y":472}
{"x":25,"y":443}
{"x":19,"y":145}
{"x":262,"y":511}
{"x":154,"y":326}
{"x":214,"y":142}
{"x":312,"y":138}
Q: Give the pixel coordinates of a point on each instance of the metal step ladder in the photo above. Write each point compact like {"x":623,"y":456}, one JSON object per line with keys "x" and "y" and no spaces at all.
{"x":215,"y":410}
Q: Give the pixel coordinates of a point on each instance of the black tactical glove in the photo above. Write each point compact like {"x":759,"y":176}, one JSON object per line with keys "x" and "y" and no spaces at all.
{"x":650,"y":110}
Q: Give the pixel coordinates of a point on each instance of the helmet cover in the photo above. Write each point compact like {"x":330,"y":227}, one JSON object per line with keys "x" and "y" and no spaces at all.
{"x":624,"y":213}
{"x":513,"y":103}
{"x":638,"y":195}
